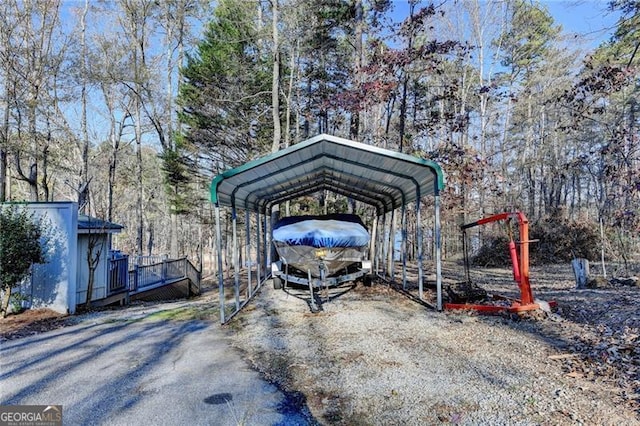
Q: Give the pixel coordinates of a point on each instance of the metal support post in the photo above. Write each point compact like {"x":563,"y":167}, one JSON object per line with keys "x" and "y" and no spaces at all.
{"x":385,"y":247}
{"x":314,"y":307}
{"x":403,"y":246}
{"x":419,"y":242}
{"x":258,"y":258}
{"x":267,"y":241}
{"x":247,"y":251}
{"x":379,"y":231}
{"x":392,"y":248}
{"x":236,"y":257}
{"x":438,"y":236}
{"x":374,"y":236}
{"x":220,"y":273}
{"x":266,"y":252}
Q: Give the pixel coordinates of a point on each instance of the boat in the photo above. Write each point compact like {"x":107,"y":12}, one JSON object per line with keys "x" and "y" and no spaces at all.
{"x":322,"y":246}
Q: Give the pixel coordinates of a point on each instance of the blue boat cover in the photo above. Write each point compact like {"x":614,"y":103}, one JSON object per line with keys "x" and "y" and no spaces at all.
{"x":335,"y":230}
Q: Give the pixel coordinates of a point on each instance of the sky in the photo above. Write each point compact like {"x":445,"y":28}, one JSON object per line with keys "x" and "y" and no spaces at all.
{"x":587,"y":18}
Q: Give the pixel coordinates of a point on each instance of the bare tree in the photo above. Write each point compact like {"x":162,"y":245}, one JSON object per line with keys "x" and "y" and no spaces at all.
{"x":83,"y":190}
{"x":275,"y":85}
{"x":95,"y":246}
{"x":174,"y":19}
{"x":34,"y":42}
{"x":6,"y":59}
{"x":108,"y":69}
{"x":134,"y":19}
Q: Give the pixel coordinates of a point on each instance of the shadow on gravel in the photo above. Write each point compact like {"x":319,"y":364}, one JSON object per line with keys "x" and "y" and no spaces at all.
{"x":319,"y":296}
{"x":295,"y":411}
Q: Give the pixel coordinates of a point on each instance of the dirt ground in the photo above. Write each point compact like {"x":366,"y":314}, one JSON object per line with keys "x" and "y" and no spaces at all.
{"x":374,"y":355}
{"x":31,"y":321}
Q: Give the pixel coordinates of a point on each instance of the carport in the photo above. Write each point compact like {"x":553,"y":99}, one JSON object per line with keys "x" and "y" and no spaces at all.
{"x":382,"y":179}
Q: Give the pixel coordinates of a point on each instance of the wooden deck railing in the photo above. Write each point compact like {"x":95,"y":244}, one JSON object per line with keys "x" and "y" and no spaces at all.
{"x":144,"y":277}
{"x":118,"y":275}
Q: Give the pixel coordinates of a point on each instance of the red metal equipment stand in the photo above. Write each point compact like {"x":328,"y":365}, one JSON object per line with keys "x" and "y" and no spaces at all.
{"x":520,"y":269}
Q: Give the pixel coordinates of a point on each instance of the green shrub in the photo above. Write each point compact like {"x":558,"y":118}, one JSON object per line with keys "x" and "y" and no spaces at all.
{"x":20,"y":247}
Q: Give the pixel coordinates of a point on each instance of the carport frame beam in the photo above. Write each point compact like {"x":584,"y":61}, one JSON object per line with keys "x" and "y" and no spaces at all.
{"x":330,"y":154}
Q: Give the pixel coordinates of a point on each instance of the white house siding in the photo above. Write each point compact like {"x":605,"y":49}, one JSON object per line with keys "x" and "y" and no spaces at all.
{"x":53,"y":284}
{"x":100,"y":276}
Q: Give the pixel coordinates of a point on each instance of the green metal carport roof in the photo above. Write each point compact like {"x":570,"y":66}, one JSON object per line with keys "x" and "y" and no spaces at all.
{"x":381,"y":178}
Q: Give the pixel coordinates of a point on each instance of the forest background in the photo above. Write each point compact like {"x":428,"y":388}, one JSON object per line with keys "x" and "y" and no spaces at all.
{"x":130,"y":107}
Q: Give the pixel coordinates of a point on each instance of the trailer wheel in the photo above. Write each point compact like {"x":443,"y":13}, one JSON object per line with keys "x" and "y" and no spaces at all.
{"x":366,"y":280}
{"x":277,"y":283}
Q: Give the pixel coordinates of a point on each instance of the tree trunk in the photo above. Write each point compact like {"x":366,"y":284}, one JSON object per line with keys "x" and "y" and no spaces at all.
{"x":354,"y":127}
{"x":173,"y":244}
{"x":3,"y":175}
{"x":4,"y":142}
{"x":90,"y":281}
{"x":112,"y":173}
{"x":5,"y":301}
{"x":275,"y":81}
{"x":139,"y":186}
{"x":581,"y":272}
{"x":94,"y":251}
{"x":275,"y":104}
{"x":405,"y":86}
{"x":150,"y":240}
{"x":83,"y":189}
{"x":169,"y":17}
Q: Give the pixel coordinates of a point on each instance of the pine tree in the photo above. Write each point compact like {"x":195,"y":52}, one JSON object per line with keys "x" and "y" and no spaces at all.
{"x":226,"y":94}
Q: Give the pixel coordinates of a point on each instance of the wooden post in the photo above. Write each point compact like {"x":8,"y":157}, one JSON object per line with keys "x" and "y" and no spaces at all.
{"x":581,"y":272}
{"x":604,"y":269}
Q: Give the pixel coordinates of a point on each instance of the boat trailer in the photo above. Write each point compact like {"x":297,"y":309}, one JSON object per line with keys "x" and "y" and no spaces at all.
{"x":282,"y":278}
{"x":519,"y":264}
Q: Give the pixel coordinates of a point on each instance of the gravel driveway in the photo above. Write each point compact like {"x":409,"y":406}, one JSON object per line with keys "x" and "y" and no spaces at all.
{"x":374,"y":357}
{"x":145,"y":365}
